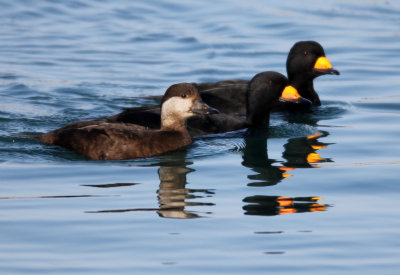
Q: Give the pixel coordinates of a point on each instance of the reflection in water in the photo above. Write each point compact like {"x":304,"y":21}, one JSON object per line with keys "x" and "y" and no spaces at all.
{"x":110,"y":185}
{"x":302,"y":152}
{"x":173,"y":196}
{"x":51,"y":197}
{"x":299,"y":153}
{"x":255,"y":157}
{"x":274,"y":205}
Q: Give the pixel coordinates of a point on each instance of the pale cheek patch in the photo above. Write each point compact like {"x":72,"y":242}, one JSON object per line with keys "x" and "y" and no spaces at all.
{"x":176,"y":107}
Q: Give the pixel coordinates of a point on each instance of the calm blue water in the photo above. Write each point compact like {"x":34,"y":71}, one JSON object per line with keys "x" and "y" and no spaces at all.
{"x":213,"y":207}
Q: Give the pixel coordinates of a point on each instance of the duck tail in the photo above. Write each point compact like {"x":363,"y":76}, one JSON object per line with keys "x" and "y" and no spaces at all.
{"x":45,"y":138}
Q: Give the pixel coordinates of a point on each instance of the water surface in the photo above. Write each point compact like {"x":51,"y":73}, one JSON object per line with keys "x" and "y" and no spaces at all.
{"x":277,"y":201}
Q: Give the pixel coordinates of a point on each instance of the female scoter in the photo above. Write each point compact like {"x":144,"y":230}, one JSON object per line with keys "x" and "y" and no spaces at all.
{"x":116,"y":141}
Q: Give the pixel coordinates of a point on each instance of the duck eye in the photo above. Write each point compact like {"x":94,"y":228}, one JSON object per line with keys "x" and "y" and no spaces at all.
{"x":305,"y":53}
{"x":183,"y":95}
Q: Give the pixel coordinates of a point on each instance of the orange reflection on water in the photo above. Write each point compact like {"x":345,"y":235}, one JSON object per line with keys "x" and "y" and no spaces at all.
{"x":314,"y":158}
{"x":314,"y":136}
{"x":278,"y":205}
{"x":284,"y":174}
{"x":284,"y":168}
{"x":318,"y":147}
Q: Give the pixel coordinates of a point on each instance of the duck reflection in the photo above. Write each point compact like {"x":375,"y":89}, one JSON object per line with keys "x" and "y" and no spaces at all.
{"x":176,"y":200}
{"x":255,"y":157}
{"x":172,"y":194}
{"x":302,"y":152}
{"x":299,"y":152}
{"x":275,"y":205}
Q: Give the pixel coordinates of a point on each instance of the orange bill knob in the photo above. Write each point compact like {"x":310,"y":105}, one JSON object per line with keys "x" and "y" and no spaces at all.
{"x":322,"y":63}
{"x":290,"y":93}
{"x":324,"y":66}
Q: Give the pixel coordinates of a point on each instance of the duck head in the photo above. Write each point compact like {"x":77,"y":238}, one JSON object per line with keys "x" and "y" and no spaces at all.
{"x":307,"y":60}
{"x":179,"y":102}
{"x":266,"y":91}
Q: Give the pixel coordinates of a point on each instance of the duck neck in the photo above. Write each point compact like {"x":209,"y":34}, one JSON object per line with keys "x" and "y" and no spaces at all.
{"x":178,"y":133}
{"x":257,"y":118}
{"x":305,"y":87}
{"x":168,"y":124}
{"x":172,"y":121}
{"x":257,"y":107}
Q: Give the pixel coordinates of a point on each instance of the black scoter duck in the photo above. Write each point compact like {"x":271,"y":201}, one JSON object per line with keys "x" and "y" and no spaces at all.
{"x":264,"y":92}
{"x":306,"y":60}
{"x":99,"y":140}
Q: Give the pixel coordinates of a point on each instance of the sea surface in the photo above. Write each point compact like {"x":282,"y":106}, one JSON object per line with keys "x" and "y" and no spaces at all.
{"x":317,"y":193}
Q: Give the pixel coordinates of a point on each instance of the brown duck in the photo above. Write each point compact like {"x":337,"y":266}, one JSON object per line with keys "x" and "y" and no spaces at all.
{"x":99,"y":140}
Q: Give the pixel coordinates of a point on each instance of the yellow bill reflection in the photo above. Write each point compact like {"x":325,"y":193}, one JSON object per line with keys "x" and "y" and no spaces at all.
{"x":278,"y":205}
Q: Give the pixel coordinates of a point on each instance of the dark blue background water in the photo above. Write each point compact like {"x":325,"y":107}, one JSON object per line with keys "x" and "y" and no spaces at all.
{"x":213,"y":207}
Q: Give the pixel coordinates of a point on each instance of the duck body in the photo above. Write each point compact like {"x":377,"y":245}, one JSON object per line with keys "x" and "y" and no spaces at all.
{"x":117,"y":141}
{"x":99,"y":140}
{"x":147,"y":116}
{"x":229,"y":95}
{"x":215,"y":124}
